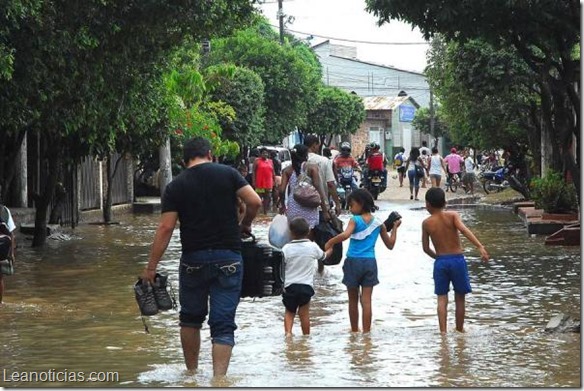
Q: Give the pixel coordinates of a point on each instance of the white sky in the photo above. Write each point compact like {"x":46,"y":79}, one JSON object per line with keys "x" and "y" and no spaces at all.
{"x":348,"y":19}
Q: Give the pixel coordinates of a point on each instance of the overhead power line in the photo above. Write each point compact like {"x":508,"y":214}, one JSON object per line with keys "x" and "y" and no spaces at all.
{"x":355,"y":40}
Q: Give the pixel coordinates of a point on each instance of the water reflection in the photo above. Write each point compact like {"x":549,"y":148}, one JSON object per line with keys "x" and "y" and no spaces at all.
{"x":71,"y":306}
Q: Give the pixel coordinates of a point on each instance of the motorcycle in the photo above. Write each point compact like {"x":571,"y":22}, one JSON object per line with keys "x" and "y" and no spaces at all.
{"x":495,"y":180}
{"x":375,"y":183}
{"x":345,"y":183}
{"x":504,"y":177}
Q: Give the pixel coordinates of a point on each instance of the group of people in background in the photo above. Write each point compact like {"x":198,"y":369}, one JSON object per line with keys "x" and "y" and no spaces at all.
{"x":424,"y":163}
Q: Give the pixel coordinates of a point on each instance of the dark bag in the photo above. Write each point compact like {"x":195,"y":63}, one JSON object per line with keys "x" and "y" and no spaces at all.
{"x":305,"y":193}
{"x":323,"y":232}
{"x":263,"y":270}
{"x":419,"y":171}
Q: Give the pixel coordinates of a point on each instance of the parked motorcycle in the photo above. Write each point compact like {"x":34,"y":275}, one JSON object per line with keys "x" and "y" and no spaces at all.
{"x":504,"y":177}
{"x":496,"y":180}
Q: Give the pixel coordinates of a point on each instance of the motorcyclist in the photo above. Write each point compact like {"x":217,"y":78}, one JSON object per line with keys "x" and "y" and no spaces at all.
{"x":377,"y":161}
{"x":345,"y":160}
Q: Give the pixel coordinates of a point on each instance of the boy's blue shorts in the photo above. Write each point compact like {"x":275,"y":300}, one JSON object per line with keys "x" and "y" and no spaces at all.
{"x":451,"y":267}
{"x":360,"y":272}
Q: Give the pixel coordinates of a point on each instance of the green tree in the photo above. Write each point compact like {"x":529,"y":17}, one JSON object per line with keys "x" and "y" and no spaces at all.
{"x":545,"y":34}
{"x":335,"y":112}
{"x":244,"y":92}
{"x":291,"y":75}
{"x":73,"y":64}
{"x":422,"y":122}
{"x":486,"y":94}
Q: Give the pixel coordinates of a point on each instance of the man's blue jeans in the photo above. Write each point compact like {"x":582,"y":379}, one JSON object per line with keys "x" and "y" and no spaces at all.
{"x":211,"y":280}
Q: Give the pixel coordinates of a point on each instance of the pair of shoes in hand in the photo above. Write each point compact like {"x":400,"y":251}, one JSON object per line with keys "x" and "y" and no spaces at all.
{"x":152,"y":298}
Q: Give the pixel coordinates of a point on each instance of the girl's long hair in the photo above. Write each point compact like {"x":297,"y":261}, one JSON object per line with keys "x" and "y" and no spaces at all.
{"x":299,"y":155}
{"x":363,"y":198}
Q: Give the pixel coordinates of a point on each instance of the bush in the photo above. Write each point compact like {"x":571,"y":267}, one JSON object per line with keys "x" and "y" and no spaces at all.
{"x":552,"y":194}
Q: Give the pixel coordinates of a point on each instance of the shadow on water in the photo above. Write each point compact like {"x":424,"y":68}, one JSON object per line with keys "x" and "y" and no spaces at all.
{"x":71,"y":307}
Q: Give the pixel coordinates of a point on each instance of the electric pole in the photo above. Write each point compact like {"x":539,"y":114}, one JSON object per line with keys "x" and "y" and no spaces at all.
{"x":432,"y":117}
{"x":281,"y":19}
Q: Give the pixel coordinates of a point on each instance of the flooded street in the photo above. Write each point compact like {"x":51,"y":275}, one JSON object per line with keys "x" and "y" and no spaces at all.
{"x":71,"y":307}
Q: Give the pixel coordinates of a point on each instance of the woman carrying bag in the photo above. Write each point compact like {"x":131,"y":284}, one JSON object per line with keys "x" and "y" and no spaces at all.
{"x":301,"y":173}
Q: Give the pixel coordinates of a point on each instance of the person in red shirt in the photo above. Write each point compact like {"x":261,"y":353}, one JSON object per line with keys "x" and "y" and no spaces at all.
{"x":264,"y":178}
{"x":345,"y":160}
{"x":377,"y":161}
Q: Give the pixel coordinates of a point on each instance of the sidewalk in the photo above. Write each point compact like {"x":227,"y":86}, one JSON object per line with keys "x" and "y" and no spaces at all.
{"x":396,"y":193}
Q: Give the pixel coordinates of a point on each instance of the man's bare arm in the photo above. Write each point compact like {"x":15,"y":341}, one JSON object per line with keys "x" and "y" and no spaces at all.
{"x":252,"y":203}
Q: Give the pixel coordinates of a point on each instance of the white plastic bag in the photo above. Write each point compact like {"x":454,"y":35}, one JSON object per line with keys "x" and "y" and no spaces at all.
{"x":279,"y":233}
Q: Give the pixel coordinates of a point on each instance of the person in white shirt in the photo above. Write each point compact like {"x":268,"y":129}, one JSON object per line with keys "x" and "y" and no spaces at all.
{"x":300,"y":259}
{"x":469,"y":177}
{"x":325,"y":169}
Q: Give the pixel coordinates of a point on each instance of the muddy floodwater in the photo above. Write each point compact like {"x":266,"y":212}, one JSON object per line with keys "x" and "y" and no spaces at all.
{"x":70,"y":308}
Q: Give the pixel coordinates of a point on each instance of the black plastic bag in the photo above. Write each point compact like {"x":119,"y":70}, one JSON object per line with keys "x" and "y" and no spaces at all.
{"x":323,"y":232}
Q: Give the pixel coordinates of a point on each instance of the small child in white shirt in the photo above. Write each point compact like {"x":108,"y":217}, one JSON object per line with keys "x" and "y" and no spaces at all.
{"x":300,"y":257}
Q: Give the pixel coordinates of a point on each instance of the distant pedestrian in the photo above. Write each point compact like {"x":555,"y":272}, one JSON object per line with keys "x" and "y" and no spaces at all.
{"x":399,"y":162}
{"x":436,"y":167}
{"x":454,"y":164}
{"x":469,"y":176}
{"x":443,"y":227}
{"x":264,"y":178}
{"x":300,"y":257}
{"x":413,"y":165}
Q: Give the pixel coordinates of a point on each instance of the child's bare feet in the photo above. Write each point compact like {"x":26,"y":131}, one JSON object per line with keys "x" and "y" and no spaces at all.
{"x":289,"y":335}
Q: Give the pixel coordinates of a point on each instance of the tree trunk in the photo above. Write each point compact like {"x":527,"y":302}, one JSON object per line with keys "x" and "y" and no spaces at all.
{"x":21,"y":182}
{"x":107,"y":202}
{"x":165,"y":166}
{"x":44,"y":200}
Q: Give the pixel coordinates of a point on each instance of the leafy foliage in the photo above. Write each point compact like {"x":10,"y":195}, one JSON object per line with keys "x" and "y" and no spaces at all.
{"x":244,"y":92}
{"x":552,"y":194}
{"x":290,"y":74}
{"x":485,"y":93}
{"x":544,"y":33}
{"x":335,"y":112}
{"x":422,"y":121}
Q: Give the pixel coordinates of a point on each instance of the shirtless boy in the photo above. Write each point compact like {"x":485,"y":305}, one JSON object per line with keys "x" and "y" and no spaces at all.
{"x":449,"y":265}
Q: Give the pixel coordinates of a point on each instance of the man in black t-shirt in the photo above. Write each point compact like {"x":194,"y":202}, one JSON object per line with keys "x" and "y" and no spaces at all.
{"x":204,"y":198}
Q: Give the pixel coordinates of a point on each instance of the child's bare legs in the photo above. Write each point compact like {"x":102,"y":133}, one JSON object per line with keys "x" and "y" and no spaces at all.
{"x":460,"y":311}
{"x":442,"y":308}
{"x":354,"y":308}
{"x":366,"y":293}
{"x":304,"y":315}
{"x":288,"y":322}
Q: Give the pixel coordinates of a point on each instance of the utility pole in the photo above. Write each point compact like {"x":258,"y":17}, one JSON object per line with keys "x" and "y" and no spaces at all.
{"x":432,"y":117}
{"x":281,"y":19}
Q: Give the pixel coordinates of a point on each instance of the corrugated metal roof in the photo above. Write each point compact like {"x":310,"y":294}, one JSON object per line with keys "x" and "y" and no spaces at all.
{"x":383,"y":102}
